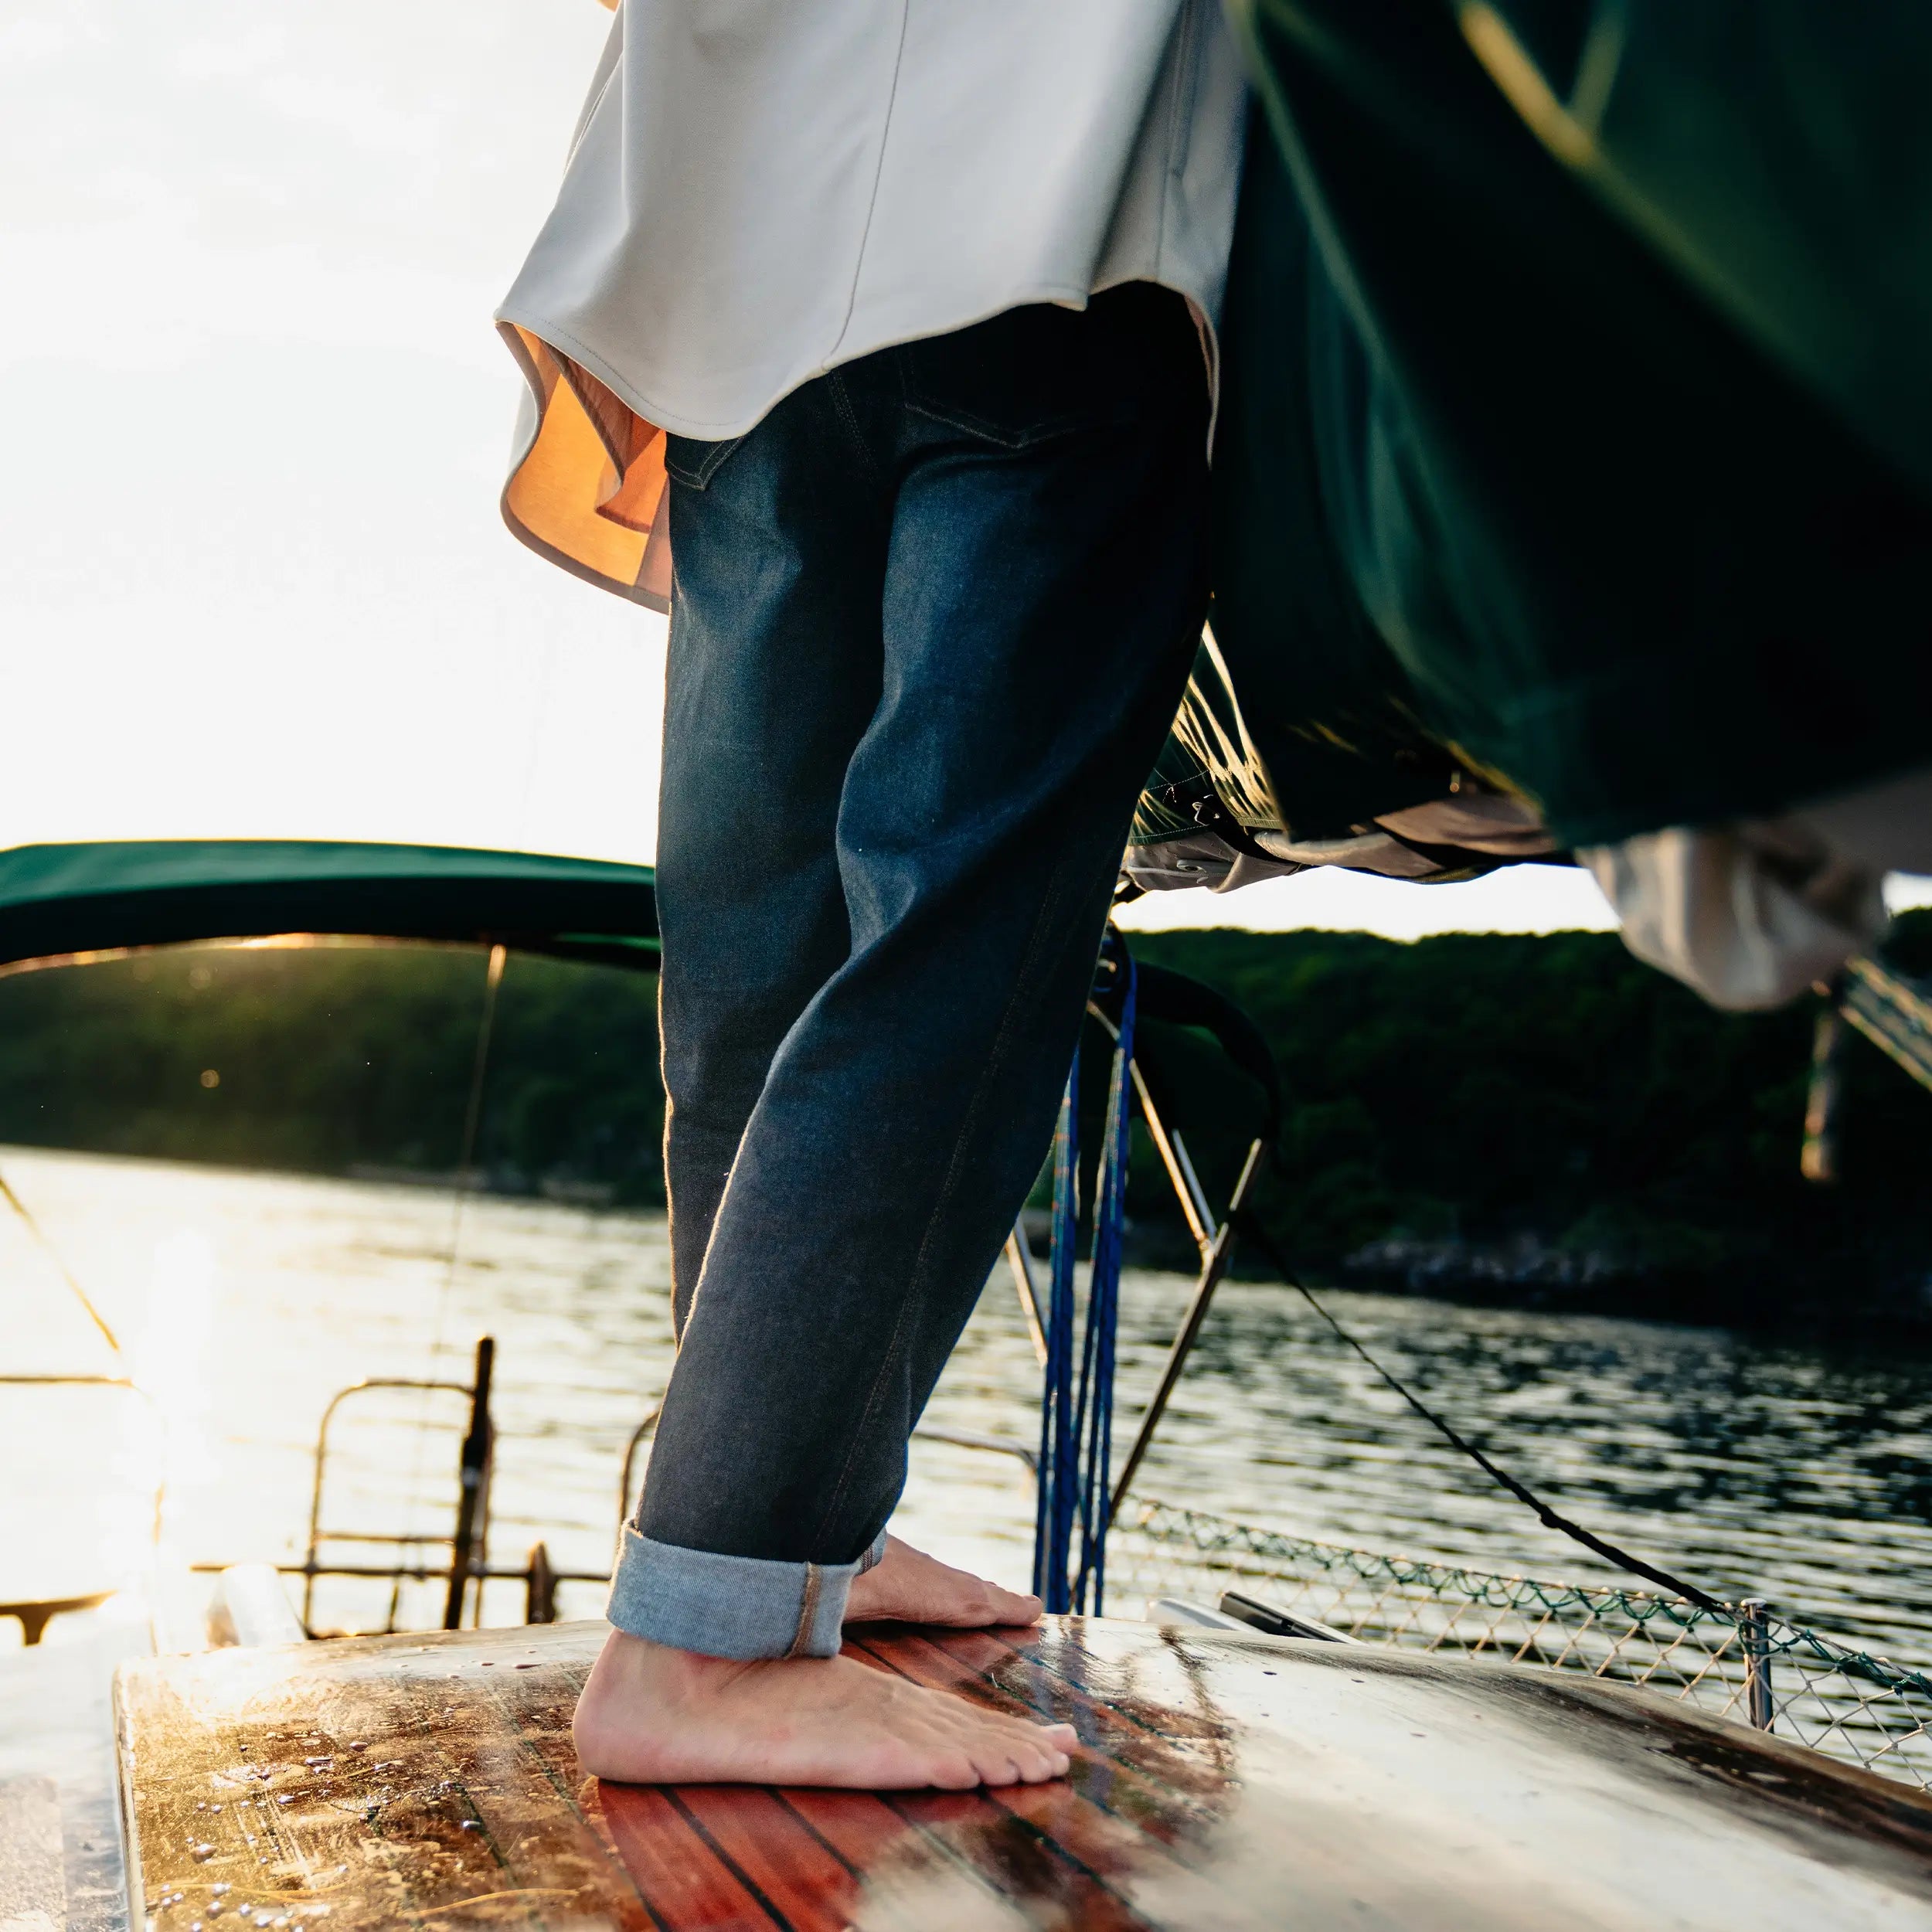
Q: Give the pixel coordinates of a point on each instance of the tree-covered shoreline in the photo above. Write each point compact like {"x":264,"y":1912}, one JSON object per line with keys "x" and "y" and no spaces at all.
{"x":1502,"y":1117}
{"x":1545,"y":1119}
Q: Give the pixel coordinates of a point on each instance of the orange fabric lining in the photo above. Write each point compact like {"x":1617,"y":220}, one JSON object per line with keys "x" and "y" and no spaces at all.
{"x":588,"y":494}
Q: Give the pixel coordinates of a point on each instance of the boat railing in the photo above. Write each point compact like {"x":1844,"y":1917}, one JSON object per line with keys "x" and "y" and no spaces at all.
{"x":34,"y":1613}
{"x":466,"y":1567}
{"x":1742,"y":1660}
{"x":462,"y":1545}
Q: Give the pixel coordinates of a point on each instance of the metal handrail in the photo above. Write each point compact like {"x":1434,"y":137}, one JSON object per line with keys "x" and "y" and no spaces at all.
{"x":1214,"y":1267}
{"x":311,"y":1566}
{"x":470,"y":1544}
{"x":411,"y":1572}
{"x":969,"y":1439}
{"x":1032,"y":1307}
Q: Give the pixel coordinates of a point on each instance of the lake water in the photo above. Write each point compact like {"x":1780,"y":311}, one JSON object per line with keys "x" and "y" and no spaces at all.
{"x":244,"y":1301}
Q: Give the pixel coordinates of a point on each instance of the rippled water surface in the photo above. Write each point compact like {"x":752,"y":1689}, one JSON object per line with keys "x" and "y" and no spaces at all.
{"x":244,"y":1301}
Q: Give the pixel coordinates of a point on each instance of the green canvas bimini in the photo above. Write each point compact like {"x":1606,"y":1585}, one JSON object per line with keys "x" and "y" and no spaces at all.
{"x":58,"y":900}
{"x":1576,"y":430}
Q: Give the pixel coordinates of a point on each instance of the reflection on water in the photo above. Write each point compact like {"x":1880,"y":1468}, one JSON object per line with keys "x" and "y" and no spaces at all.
{"x":246,"y":1301}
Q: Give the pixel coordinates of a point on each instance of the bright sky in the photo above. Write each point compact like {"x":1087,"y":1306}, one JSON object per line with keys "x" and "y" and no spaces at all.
{"x":252,"y":581}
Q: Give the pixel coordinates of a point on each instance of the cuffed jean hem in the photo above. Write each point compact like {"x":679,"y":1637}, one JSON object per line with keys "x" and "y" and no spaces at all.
{"x":741,"y":1606}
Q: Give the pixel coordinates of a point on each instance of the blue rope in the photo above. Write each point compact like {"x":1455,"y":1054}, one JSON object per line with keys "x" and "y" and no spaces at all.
{"x":1052,"y":1525}
{"x":1076,"y":1425}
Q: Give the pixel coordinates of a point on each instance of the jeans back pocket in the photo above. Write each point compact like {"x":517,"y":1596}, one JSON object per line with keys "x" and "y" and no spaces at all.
{"x":1040,"y":372}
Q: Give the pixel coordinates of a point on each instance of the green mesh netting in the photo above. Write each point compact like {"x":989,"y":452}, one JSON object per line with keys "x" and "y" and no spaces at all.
{"x":1742,"y":1662}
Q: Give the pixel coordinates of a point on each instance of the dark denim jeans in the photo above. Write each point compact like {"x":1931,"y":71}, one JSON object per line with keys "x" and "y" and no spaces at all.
{"x":931,"y":620}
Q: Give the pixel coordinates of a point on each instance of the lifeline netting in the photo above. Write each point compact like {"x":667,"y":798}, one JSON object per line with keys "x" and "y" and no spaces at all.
{"x":1750,"y":1665}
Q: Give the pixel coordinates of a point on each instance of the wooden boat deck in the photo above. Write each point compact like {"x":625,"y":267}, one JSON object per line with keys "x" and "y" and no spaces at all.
{"x":60,"y":1845}
{"x":1225,"y":1781}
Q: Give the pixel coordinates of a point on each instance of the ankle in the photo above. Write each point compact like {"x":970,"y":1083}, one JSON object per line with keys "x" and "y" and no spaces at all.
{"x":633,"y":1667}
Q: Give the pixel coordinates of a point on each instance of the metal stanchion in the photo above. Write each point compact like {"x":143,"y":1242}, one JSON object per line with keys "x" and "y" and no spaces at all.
{"x":1760,"y":1707}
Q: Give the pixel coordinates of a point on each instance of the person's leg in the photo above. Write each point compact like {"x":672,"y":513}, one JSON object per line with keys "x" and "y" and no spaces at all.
{"x":749,"y":901}
{"x":788,"y":555}
{"x":1042,"y":596}
{"x":780,"y":545}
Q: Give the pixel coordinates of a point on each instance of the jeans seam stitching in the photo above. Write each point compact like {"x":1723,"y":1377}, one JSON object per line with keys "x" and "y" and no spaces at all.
{"x":808,"y":1610}
{"x":848,"y":420}
{"x":697,"y":477}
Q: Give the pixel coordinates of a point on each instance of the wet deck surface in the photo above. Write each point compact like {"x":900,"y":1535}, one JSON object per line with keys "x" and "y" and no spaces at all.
{"x":59,"y":1844}
{"x":1226,"y":1781}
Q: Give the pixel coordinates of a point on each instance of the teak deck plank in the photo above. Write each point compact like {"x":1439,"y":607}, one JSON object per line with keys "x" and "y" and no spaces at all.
{"x":683,"y":1879}
{"x":904,"y":1871}
{"x":1224,"y":1781}
{"x":804,"y":1884}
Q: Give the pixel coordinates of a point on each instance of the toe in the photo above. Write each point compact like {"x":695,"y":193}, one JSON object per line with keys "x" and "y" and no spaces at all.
{"x":1039,"y":1751}
{"x":999,"y":1767}
{"x":956,"y":1771}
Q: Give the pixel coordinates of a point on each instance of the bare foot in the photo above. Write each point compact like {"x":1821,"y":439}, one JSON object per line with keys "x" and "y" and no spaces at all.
{"x":651,"y":1714}
{"x":911,"y":1587}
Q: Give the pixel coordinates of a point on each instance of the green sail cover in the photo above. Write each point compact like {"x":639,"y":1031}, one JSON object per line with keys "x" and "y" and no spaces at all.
{"x":1544,"y":453}
{"x":61,"y":899}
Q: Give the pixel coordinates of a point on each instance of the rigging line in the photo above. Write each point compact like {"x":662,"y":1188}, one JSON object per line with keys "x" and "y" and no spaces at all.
{"x":472,"y":1121}
{"x":66,"y":1273}
{"x":466,"y":1158}
{"x":1245,"y":1220}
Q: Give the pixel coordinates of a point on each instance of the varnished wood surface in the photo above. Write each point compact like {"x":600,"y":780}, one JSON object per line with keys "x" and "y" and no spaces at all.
{"x":1225,"y":1781}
